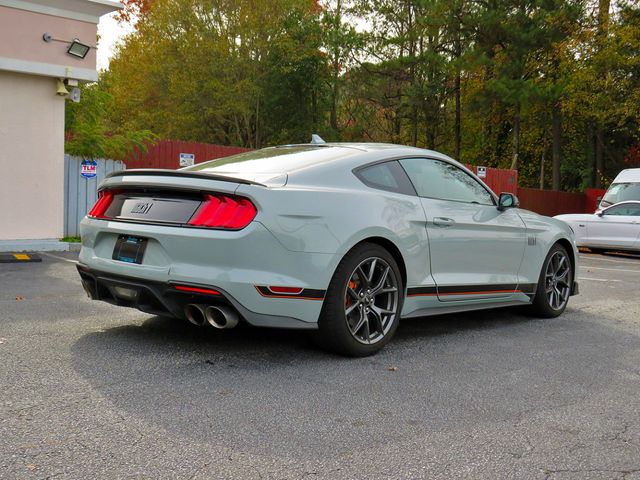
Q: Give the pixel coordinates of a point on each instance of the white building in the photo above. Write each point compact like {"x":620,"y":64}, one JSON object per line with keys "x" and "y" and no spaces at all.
{"x":37,"y":51}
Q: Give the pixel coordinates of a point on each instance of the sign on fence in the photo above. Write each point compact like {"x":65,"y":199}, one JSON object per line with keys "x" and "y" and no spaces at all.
{"x":88,"y":168}
{"x":187,"y":159}
{"x":482,"y":172}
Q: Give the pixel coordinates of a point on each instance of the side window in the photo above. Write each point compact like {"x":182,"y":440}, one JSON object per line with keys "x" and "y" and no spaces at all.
{"x":386,"y":176}
{"x":629,"y":210}
{"x":442,"y":180}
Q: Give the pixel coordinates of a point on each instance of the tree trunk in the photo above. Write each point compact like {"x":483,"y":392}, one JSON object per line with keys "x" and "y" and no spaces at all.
{"x":314,"y":109}
{"x":516,"y":139}
{"x":601,"y":36}
{"x":458,"y":120}
{"x":556,"y":145}
{"x":457,"y":52}
{"x":603,"y":16}
{"x":544,"y":149}
{"x":333,"y":120}
{"x":599,"y":157}
{"x":414,"y":125}
{"x":592,"y":157}
{"x":257,"y":133}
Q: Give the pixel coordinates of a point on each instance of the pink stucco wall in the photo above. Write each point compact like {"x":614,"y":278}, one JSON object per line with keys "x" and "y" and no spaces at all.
{"x":31,"y":157}
{"x":21,"y":38}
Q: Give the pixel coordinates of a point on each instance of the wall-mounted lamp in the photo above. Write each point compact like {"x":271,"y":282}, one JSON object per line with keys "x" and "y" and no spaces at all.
{"x":76,"y":47}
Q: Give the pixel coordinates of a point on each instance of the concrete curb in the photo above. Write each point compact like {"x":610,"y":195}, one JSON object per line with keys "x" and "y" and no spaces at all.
{"x":44,"y":245}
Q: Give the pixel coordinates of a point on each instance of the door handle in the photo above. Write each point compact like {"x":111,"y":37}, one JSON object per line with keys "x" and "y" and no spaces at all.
{"x":443,"y":221}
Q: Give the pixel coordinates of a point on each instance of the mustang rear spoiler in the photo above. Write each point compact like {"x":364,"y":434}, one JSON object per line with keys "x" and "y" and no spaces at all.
{"x":160,"y":172}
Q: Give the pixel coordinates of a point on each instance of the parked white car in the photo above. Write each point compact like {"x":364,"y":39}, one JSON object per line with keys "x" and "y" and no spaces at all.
{"x":614,"y":228}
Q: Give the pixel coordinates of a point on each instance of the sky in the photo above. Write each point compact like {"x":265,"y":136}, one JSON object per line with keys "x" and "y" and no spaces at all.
{"x":110,"y":32}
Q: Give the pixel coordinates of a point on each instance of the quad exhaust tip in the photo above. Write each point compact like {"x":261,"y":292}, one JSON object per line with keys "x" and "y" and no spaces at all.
{"x":218,"y":317}
{"x":195,"y":314}
{"x":221,"y":317}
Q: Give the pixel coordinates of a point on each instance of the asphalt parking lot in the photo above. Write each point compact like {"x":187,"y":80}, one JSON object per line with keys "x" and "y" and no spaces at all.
{"x":94,"y":391}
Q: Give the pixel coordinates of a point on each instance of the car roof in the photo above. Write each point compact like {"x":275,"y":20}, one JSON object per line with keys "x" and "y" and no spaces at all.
{"x":628,"y":175}
{"x":269,"y":163}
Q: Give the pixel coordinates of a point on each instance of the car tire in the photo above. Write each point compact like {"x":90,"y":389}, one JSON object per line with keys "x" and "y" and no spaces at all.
{"x":554,"y":284}
{"x":362,"y":306}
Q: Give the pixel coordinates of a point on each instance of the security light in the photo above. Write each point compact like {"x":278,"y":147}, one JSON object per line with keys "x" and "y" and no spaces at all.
{"x":78,"y":49}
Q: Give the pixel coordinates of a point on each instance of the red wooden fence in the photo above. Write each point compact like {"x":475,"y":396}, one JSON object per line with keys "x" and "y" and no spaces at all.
{"x":593,"y":194}
{"x":550,"y":202}
{"x":499,"y":180}
{"x":166,"y":154}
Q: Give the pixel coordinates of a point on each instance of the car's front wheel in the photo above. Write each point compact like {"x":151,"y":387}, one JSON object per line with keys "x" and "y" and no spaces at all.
{"x":362,"y":306}
{"x":554,"y":285}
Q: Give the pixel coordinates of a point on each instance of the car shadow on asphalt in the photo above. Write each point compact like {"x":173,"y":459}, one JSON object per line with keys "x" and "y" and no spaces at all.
{"x":438,"y":373}
{"x":169,"y":333}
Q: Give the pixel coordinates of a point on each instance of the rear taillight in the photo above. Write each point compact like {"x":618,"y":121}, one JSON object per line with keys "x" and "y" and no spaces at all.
{"x":105,"y":198}
{"x":223,"y":211}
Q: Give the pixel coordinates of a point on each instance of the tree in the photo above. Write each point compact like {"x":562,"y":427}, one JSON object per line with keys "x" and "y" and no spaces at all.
{"x":134,"y":10}
{"x":214,"y":71}
{"x":87,"y":133}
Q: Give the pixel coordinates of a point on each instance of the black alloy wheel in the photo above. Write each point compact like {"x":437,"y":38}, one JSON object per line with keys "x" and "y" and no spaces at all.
{"x":555,"y":284}
{"x":362,"y":306}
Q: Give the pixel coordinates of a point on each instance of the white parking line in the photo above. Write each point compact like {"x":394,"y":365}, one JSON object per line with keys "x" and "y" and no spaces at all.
{"x":51,"y":255}
{"x":585,"y":257}
{"x":598,"y":279}
{"x":609,"y":269}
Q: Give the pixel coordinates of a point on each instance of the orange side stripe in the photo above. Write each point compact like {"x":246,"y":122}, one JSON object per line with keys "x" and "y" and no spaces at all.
{"x":463,"y":293}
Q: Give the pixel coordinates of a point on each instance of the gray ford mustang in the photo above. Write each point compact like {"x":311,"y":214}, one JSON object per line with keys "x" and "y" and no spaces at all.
{"x":341,"y":239}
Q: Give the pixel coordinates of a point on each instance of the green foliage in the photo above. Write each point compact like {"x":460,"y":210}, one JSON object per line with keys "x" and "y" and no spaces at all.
{"x":241,"y":73}
{"x":87,"y":133}
{"x":495,"y":82}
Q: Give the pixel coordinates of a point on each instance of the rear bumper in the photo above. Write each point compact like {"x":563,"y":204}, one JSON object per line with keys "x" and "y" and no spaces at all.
{"x":233,"y":262}
{"x":162,"y":298}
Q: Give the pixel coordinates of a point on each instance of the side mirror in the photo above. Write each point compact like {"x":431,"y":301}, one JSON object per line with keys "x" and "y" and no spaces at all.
{"x":507,"y":200}
{"x":600,"y":213}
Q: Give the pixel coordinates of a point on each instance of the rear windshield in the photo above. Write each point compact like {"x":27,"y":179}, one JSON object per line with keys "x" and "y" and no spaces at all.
{"x":621,"y":192}
{"x":276,"y":160}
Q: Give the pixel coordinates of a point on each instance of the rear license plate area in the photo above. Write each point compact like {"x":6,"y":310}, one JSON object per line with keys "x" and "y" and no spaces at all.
{"x":129,"y":249}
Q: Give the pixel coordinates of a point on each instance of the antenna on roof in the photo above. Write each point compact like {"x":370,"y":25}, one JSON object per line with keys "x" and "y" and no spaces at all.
{"x":316,"y":139}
